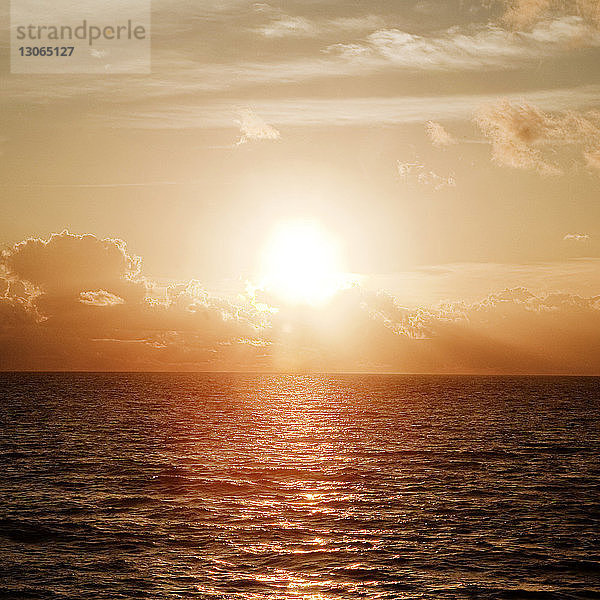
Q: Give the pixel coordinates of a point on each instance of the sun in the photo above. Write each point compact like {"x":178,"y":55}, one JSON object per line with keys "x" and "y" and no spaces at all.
{"x":301,"y":264}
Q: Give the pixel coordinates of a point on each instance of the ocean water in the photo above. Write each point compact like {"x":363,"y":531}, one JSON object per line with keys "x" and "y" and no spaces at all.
{"x":219,"y":486}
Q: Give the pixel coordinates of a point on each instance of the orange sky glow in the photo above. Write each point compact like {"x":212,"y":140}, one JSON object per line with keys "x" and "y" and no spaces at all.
{"x":332,"y":186}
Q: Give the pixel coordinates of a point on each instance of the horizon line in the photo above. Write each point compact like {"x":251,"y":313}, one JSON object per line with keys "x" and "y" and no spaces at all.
{"x":293,"y":372}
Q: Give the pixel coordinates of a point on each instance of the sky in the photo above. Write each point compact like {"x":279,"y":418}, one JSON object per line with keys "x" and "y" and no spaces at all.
{"x":435,"y":164}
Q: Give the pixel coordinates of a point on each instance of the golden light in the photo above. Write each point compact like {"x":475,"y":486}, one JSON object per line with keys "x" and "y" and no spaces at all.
{"x":301,"y":264}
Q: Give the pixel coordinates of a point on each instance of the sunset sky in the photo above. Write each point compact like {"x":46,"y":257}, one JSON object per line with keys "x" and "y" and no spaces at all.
{"x":352,"y":186}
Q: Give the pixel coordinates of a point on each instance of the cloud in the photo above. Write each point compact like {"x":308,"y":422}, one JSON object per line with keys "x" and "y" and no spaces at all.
{"x":81,"y":302}
{"x":524,"y":13}
{"x":524,"y":137}
{"x":100,"y":298}
{"x":17,"y":313}
{"x":488,"y":333}
{"x":383,"y":50}
{"x":419,"y":174}
{"x":55,"y":320}
{"x":577,"y":237}
{"x":387,"y":110}
{"x":512,"y":331}
{"x":438,"y":135}
{"x":253,"y":128}
{"x":66,"y":264}
{"x":515,"y":131}
{"x":471,"y":47}
{"x":187,"y":83}
{"x":283,"y":25}
{"x":521,"y":14}
{"x":470,"y":281}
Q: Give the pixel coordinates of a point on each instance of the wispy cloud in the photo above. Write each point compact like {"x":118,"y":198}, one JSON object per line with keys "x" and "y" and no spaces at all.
{"x":287,"y":26}
{"x":253,"y":128}
{"x":281,"y":24}
{"x":438,"y":135}
{"x":121,"y":184}
{"x":577,"y":237}
{"x":523,"y":136}
{"x":388,"y":110}
{"x":179,"y":76}
{"x":471,"y":47}
{"x":417,"y":173}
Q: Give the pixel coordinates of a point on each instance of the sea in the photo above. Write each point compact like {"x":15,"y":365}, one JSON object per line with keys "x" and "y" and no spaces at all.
{"x":289,"y":487}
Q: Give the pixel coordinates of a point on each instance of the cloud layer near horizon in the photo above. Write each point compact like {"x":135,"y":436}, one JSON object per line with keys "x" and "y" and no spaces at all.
{"x":81,"y":302}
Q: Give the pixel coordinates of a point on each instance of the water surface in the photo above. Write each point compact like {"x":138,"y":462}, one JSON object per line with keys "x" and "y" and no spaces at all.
{"x":298,"y":487}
